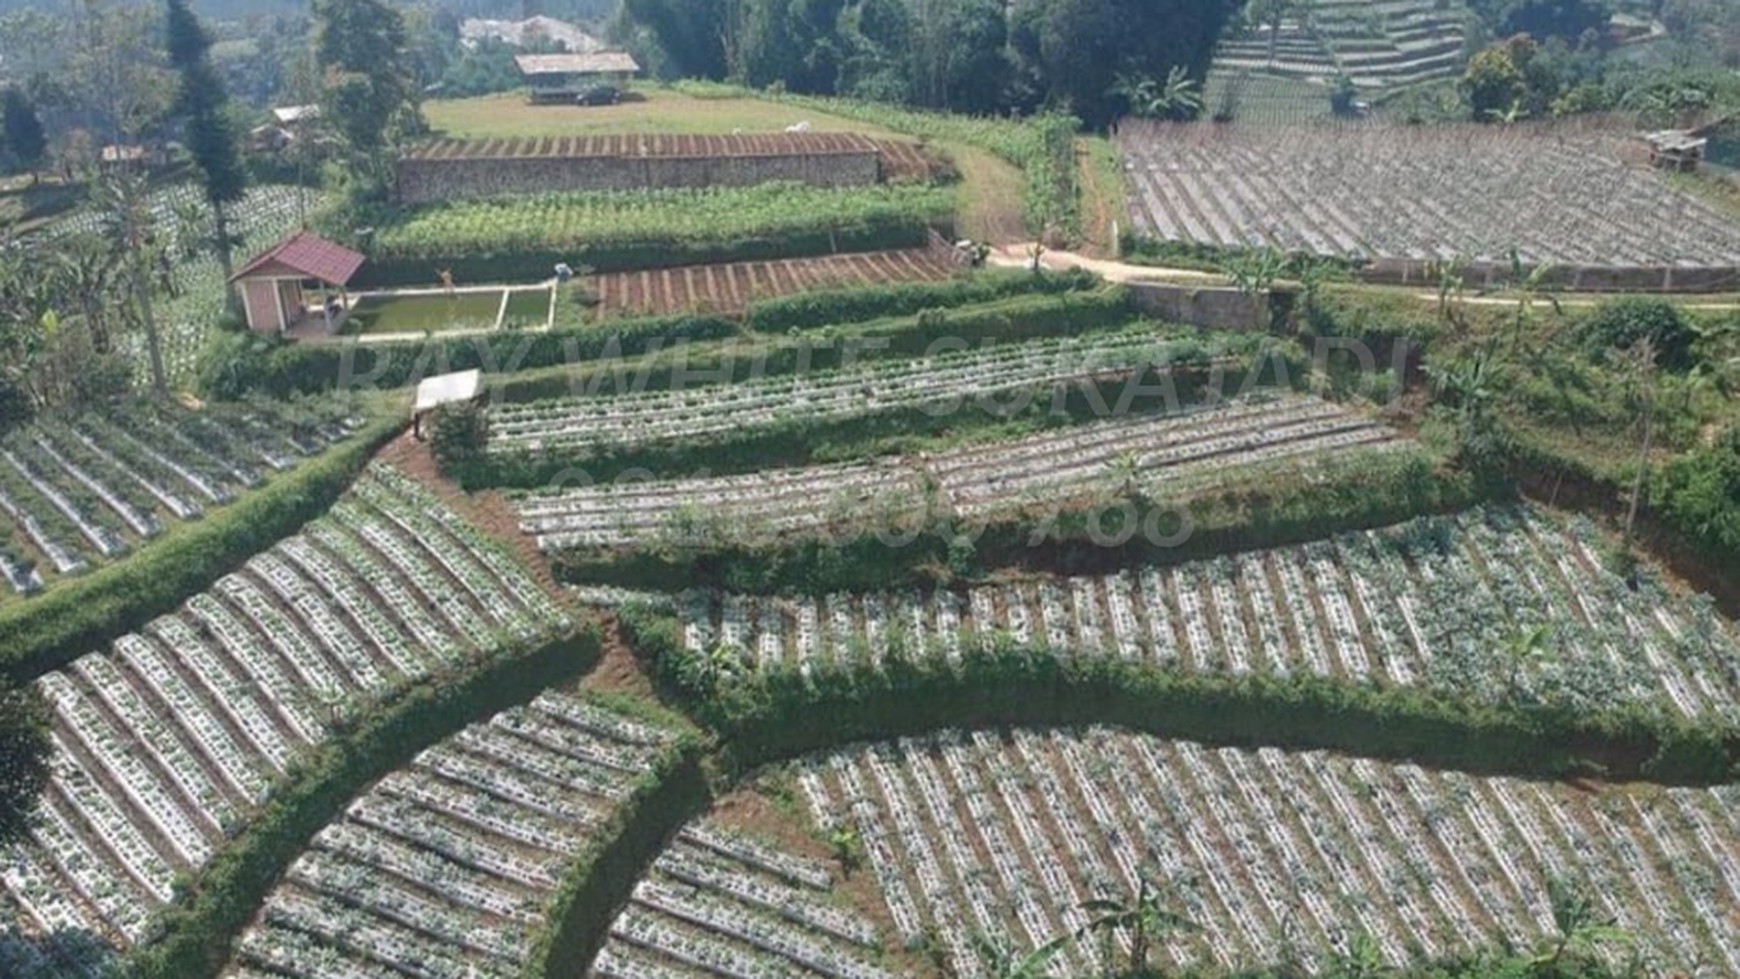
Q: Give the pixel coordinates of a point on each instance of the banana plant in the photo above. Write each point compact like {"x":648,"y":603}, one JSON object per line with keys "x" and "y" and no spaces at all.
{"x":1146,"y":916}
{"x":1004,"y":961}
{"x":1579,"y":932}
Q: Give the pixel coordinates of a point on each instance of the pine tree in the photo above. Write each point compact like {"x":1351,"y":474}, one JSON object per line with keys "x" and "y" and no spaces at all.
{"x":210,"y":132}
{"x":23,"y":130}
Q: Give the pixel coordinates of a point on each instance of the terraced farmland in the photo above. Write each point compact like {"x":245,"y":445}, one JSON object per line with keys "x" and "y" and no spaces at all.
{"x":1380,"y":44}
{"x":1266,"y":99}
{"x":165,"y":743}
{"x":1557,"y":194}
{"x":1170,"y":452}
{"x":984,"y":838}
{"x":731,"y":287}
{"x":74,"y":495}
{"x":956,"y":378}
{"x":1432,"y":603}
{"x":446,"y":868}
{"x":722,"y":903}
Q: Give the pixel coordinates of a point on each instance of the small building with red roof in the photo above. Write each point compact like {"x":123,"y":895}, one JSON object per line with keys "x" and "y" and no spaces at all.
{"x":276,"y":284}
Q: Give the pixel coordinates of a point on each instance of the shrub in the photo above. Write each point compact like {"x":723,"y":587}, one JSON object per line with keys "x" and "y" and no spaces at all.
{"x":461,"y":433}
{"x":597,"y":884}
{"x":281,"y":370}
{"x":1699,"y":495}
{"x":777,"y":713}
{"x":15,"y":406}
{"x":1623,"y":323}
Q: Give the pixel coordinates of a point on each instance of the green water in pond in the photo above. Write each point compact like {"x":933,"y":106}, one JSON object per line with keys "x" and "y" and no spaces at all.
{"x":417,"y":314}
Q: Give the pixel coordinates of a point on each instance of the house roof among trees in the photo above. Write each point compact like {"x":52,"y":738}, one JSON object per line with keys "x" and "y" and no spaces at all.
{"x":596,"y":63}
{"x":305,"y":253}
{"x":520,"y":33}
{"x":295,"y":113}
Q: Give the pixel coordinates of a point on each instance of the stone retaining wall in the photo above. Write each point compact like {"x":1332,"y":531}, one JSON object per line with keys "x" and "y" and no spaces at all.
{"x":1208,"y":308}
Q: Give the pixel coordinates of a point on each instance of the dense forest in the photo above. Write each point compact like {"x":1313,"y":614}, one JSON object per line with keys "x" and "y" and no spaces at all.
{"x":976,"y":56}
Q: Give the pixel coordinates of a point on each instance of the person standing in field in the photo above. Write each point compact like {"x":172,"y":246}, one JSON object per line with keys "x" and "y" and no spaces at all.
{"x":446,"y":277}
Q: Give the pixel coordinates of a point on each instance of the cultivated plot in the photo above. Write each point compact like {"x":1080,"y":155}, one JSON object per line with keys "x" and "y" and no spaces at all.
{"x":1440,"y":603}
{"x":165,"y":744}
{"x":447,"y":868}
{"x":723,"y":903}
{"x":955,"y":380}
{"x":730,"y":287}
{"x":1377,"y":44}
{"x":1558,"y":194}
{"x":79,"y":493}
{"x":985,"y":840}
{"x":1163,"y":454}
{"x":194,"y":279}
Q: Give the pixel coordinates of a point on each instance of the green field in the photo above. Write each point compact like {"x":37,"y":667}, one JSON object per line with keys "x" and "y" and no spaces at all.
{"x":423,"y":313}
{"x":645,"y":110}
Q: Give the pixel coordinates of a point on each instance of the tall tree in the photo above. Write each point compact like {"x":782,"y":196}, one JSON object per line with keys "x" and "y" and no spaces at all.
{"x":368,"y":97}
{"x":34,"y":40}
{"x":123,"y":198}
{"x":976,"y":67}
{"x":58,"y":303}
{"x":1569,"y":20}
{"x":1078,"y":49}
{"x":211,"y":133}
{"x":877,"y":38}
{"x":116,"y":71}
{"x":25,"y":139}
{"x":699,"y":36}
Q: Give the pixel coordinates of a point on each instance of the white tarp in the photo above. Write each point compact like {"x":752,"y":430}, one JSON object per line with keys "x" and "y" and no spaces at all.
{"x":443,"y":389}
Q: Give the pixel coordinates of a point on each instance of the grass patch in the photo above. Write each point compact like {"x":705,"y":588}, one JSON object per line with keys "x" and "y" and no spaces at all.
{"x":992,"y":191}
{"x":423,"y":314}
{"x":645,"y":109}
{"x":1103,"y":192}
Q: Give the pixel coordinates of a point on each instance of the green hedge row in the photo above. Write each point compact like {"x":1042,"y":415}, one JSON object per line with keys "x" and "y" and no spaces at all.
{"x":773,"y":715}
{"x":51,"y":630}
{"x":199,"y":929}
{"x":535,"y":265}
{"x":283,"y":369}
{"x":1264,"y":507}
{"x":597,"y":884}
{"x":809,"y":310}
{"x":788,"y":351}
{"x":802,"y":440}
